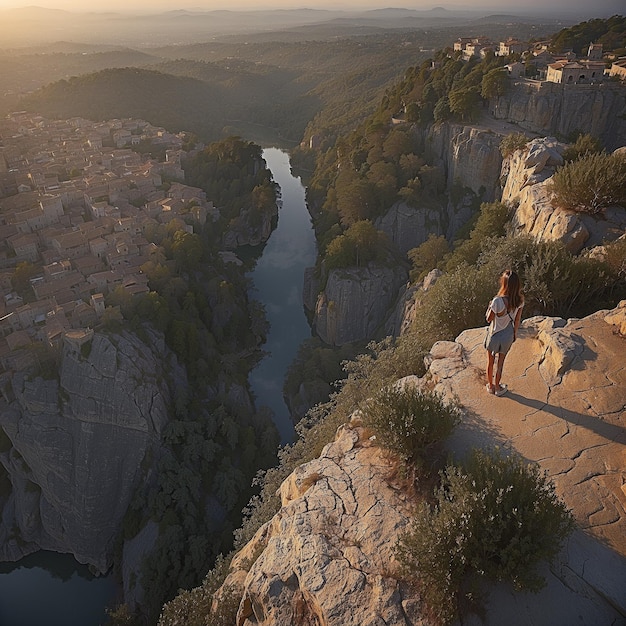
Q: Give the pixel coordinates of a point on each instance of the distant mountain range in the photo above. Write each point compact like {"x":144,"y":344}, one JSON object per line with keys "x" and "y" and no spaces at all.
{"x":35,"y":25}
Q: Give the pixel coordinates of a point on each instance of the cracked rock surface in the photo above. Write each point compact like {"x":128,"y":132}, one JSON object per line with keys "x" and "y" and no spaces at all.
{"x":326,"y":558}
{"x":566,"y":410}
{"x":77,"y":445}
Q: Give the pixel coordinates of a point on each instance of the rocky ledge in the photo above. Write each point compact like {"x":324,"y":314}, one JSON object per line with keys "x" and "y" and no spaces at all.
{"x":327,"y":555}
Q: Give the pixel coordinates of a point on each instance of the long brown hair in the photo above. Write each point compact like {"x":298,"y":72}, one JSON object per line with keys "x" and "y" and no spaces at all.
{"x":511,"y":288}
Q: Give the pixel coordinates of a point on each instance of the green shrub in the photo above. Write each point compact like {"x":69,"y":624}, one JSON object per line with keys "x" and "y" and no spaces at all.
{"x":584,"y":144}
{"x":616,"y":257}
{"x":554,"y":281}
{"x":427,"y":256}
{"x":409,"y":421}
{"x":490,"y":222}
{"x":513,"y":142}
{"x":455,"y":302}
{"x":498,"y":517}
{"x":590,"y":184}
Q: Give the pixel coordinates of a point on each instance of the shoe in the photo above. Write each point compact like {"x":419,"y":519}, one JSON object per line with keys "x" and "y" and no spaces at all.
{"x":501,"y":390}
{"x":488,"y":388}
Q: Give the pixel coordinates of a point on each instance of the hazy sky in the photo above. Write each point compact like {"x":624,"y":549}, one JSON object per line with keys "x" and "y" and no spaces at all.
{"x":599,"y":7}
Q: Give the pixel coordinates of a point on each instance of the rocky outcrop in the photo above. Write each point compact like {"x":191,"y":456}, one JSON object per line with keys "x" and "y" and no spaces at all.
{"x":563,"y":110}
{"x":470,"y":157}
{"x":565,"y":409}
{"x":355,"y":302}
{"x":327,"y":555}
{"x":78,"y":442}
{"x":250,"y":228}
{"x":408,"y":227}
{"x":527,"y":174}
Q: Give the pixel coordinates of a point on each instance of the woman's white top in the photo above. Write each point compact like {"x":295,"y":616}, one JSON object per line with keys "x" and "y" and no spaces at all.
{"x":501,"y":319}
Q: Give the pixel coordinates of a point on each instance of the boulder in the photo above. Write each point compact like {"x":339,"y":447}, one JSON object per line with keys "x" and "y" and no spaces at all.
{"x":527,"y":174}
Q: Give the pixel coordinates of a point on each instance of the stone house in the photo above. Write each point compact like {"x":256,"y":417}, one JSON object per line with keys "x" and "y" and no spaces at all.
{"x":9,"y":323}
{"x":98,"y":247}
{"x":47,"y":288}
{"x":594,"y":52}
{"x":30,"y":220}
{"x":83,"y":316}
{"x":98,"y":304}
{"x":105,"y":281}
{"x":516,"y":70}
{"x":574,"y":72}
{"x":121,"y":137}
{"x":618,"y":69}
{"x":18,"y":339}
{"x":26,"y":247}
{"x":57,"y":269}
{"x":5,"y":281}
{"x":511,"y":46}
{"x":88,"y":265}
{"x":71,"y":245}
{"x":35,"y":312}
{"x":136,"y":284}
{"x":461,"y":42}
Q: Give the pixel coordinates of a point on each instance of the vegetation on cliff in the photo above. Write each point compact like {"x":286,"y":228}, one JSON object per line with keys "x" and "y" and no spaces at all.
{"x":591,"y":183}
{"x":497,"y":517}
{"x":216,"y":441}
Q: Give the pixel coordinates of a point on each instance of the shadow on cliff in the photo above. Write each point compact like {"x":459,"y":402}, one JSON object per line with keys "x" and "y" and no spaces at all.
{"x":612,"y":432}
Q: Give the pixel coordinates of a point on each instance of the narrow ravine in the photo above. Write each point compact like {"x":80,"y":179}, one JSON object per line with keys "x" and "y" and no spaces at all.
{"x":278,"y":278}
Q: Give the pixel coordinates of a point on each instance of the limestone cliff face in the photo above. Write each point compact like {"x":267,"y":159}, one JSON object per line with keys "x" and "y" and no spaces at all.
{"x":408,"y":227}
{"x":355,"y":302}
{"x":550,"y":108}
{"x":327,"y":556}
{"x":527,"y":173}
{"x":79,"y":442}
{"x":470,"y":157}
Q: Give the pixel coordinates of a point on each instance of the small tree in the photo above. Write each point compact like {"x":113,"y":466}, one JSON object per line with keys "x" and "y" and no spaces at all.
{"x":513,"y":142}
{"x":590,"y":184}
{"x":494,"y":83}
{"x":427,"y":256}
{"x":585,"y":144}
{"x":464,"y":103}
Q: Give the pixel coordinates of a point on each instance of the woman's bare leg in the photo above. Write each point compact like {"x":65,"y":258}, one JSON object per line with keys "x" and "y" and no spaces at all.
{"x":499,"y":367}
{"x":490,"y":358}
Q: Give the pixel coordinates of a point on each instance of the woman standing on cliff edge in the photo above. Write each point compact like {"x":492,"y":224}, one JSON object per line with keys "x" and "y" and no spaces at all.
{"x":503,"y":316}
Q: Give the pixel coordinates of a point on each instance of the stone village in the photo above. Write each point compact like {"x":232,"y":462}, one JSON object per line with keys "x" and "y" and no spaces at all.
{"x":563,"y":68}
{"x":75,"y":201}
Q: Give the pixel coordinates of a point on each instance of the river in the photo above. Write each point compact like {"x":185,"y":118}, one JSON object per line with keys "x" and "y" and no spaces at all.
{"x":277,"y":278}
{"x":49,"y":589}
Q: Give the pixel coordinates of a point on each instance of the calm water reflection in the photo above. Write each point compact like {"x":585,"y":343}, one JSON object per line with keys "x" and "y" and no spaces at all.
{"x":278,"y":278}
{"x":49,"y":589}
